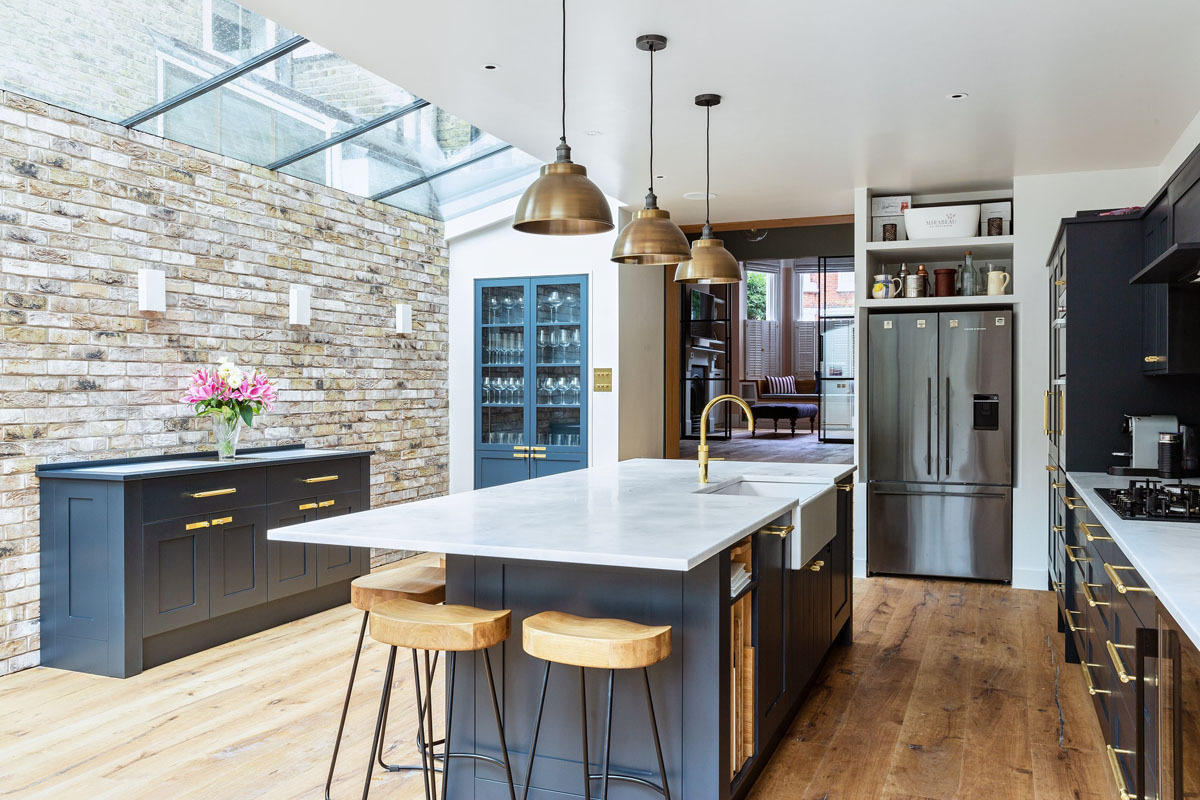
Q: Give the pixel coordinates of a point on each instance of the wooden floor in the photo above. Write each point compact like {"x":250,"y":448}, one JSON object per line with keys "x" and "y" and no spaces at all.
{"x":951,"y":691}
{"x":769,"y":446}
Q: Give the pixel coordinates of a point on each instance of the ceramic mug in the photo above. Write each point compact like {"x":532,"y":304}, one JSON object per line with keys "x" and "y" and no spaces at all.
{"x":885,"y":286}
{"x":997,"y":282}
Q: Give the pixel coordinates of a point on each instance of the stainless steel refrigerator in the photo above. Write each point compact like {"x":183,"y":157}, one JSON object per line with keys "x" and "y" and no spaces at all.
{"x":939,"y":444}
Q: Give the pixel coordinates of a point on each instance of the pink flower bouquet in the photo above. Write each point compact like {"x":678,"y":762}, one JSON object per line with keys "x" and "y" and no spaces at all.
{"x":229,"y":396}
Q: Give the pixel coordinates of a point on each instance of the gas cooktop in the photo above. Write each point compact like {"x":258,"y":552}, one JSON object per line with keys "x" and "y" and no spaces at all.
{"x":1154,"y":500}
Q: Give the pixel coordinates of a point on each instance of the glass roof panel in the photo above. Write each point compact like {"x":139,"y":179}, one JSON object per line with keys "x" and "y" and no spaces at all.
{"x":114,"y":59}
{"x":472,"y":187}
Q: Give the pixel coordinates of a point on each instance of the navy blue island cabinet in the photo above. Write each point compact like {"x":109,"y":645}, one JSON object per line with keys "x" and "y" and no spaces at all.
{"x":531,"y":387}
{"x":144,"y":560}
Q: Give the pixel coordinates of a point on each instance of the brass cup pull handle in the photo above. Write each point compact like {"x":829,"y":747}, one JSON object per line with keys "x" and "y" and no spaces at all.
{"x":816,"y":566}
{"x":321,"y":479}
{"x":222,"y":520}
{"x":779,"y":530}
{"x":1118,"y":664}
{"x":1092,"y":537}
{"x":214,"y":492}
{"x":1120,"y":585}
{"x":191,"y":526}
{"x":1091,"y":599}
{"x":1071,"y":624}
{"x":1118,"y":774}
{"x":1071,"y":501}
{"x":326,"y":503}
{"x":1088,"y":682}
{"x":1071,"y":548}
{"x":307,"y":506}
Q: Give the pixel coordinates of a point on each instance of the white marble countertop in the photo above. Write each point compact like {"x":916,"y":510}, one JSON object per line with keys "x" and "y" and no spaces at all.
{"x":645,"y":513}
{"x":1166,"y":554}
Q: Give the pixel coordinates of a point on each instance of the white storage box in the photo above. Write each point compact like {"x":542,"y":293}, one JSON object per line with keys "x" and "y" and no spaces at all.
{"x":941,"y":222}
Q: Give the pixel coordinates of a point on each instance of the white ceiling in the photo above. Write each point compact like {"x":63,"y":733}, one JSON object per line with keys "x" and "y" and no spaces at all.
{"x":819,"y":97}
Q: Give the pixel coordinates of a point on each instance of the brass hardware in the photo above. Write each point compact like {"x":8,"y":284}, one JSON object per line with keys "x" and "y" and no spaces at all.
{"x":1057,"y":485}
{"x":1091,"y":537}
{"x":1087,"y":594}
{"x":845,"y":487}
{"x":778,"y":530}
{"x":213,"y":492}
{"x":537,"y":455}
{"x":222,"y":520}
{"x":520,"y":455}
{"x":702,"y":458}
{"x":322,"y":479}
{"x":1071,"y":623}
{"x":1070,"y":501}
{"x":1118,"y":774}
{"x":307,"y":506}
{"x":1062,"y":412}
{"x":520,"y":447}
{"x":1057,"y":528}
{"x":326,"y":503}
{"x":816,"y":566}
{"x":1071,"y":548}
{"x":1120,"y":584}
{"x":1087,"y":678}
{"x":1155,"y":359}
{"x":602,"y":379}
{"x":1118,"y":664}
{"x":537,"y":448}
{"x":1060,"y":283}
{"x":1051,"y":468}
{"x":191,"y":526}
{"x":1046,"y":412}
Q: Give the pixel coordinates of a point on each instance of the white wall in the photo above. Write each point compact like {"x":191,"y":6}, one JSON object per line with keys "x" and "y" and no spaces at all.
{"x":625,"y":308}
{"x":1183,"y":147}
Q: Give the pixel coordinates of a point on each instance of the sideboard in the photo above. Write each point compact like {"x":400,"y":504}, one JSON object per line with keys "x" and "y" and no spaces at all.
{"x":145,"y":560}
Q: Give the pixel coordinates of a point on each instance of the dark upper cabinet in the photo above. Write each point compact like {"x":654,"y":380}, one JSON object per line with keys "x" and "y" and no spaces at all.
{"x":1170,"y":326}
{"x":1157,"y":233}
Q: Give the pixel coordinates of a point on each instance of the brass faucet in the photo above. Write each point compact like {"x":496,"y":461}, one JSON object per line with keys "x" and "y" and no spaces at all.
{"x":702,"y":451}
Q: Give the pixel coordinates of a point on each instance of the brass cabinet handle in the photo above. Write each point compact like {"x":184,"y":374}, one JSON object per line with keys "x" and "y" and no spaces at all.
{"x":1051,"y":468}
{"x":1094,"y":537}
{"x":520,"y":447}
{"x":322,"y":479}
{"x":520,"y":455}
{"x":214,"y":492}
{"x":222,"y":520}
{"x":326,"y":503}
{"x":816,"y":566}
{"x":1046,"y":412}
{"x":307,"y":506}
{"x":1120,"y":585}
{"x":1155,"y":359}
{"x":1062,"y":412}
{"x":778,"y":530}
{"x":1060,"y":283}
{"x":1070,"y":548}
{"x":191,"y":526}
{"x":1057,"y":528}
{"x":537,"y":455}
{"x":845,"y":487}
{"x":1118,"y":664}
{"x":537,"y":448}
{"x":1087,"y":595}
{"x":1087,"y":679}
{"x":1058,"y":586}
{"x":1071,"y":501}
{"x":1057,"y":485}
{"x":1118,"y":774}
{"x":1071,"y":624}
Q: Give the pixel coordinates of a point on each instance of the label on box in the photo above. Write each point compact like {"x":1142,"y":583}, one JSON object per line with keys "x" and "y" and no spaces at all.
{"x":890,"y":206}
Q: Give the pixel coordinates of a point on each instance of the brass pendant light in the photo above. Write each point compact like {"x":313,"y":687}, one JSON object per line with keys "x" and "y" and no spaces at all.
{"x":710,"y":261}
{"x":562,"y":201}
{"x":651,"y":237}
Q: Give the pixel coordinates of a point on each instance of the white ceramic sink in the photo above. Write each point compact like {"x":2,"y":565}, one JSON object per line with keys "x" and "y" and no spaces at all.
{"x":815,"y":519}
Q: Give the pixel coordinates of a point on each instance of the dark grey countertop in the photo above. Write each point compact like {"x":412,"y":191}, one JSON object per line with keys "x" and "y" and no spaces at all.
{"x":136,"y":469}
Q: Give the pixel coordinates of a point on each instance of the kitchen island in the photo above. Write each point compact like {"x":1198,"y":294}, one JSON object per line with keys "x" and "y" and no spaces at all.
{"x":640,"y":540}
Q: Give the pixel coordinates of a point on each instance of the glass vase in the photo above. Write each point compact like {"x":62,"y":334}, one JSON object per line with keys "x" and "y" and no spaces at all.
{"x":225,"y":433}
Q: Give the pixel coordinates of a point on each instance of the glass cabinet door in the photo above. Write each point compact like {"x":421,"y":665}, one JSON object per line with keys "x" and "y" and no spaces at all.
{"x":560,"y":361}
{"x":501,"y":358}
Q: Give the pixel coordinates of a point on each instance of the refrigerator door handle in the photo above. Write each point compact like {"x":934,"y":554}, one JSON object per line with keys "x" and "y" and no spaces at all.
{"x":947,"y":412}
{"x":929,"y":426}
{"x":939,"y":494}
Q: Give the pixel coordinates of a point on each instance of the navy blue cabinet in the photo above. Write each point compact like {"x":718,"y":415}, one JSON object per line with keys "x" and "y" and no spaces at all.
{"x":531,"y":386}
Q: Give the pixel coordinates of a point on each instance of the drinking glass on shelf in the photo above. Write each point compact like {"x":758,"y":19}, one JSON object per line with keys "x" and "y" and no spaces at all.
{"x":564,"y":390}
{"x":507,"y":302}
{"x":543,"y":339}
{"x":554,"y":300}
{"x":493,"y":308}
{"x":485,"y":391}
{"x":575,"y":390}
{"x":575,"y":346}
{"x":572,"y":302}
{"x":519,"y":307}
{"x":564,"y":345}
{"x":548,"y":388}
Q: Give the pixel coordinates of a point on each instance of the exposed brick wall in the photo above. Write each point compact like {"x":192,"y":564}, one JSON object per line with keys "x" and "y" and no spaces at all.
{"x":83,"y":205}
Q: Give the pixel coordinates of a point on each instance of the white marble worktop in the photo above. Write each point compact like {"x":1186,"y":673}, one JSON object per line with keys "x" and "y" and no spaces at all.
{"x":645,"y":513}
{"x":1166,"y":554}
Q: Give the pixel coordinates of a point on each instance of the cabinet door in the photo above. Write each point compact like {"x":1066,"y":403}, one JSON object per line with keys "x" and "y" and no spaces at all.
{"x":771,"y":643}
{"x":291,"y":566}
{"x":841,"y":567}
{"x":1154,"y":328}
{"x":559,"y":354}
{"x":555,"y":463}
{"x":175,"y":564}
{"x":237,"y":572}
{"x":499,"y":468}
{"x":502,"y":365}
{"x":337,"y":562}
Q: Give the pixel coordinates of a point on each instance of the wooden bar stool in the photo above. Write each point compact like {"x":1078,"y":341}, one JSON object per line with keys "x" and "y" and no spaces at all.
{"x":423,"y":584}
{"x":452,"y":629}
{"x":610,"y":644}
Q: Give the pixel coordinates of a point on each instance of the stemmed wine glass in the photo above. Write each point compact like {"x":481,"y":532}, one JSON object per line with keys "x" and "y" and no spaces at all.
{"x":548,"y":387}
{"x":508,"y":302}
{"x":564,"y":345}
{"x":543,"y":345}
{"x":554,"y":300}
{"x":572,"y":301}
{"x":575,"y":342}
{"x":563,"y":390}
{"x":493,"y":307}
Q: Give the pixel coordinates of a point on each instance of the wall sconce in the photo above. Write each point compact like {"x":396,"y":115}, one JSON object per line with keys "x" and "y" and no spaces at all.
{"x":299,"y":305}
{"x":152,"y":290}
{"x":403,"y":318}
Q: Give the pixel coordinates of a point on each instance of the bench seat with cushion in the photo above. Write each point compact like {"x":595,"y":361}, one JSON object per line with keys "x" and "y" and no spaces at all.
{"x":789,"y":411}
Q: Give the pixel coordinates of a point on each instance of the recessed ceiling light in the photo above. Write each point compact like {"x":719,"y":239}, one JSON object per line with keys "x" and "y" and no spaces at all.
{"x":593,"y":133}
{"x":957,"y":96}
{"x":489,"y":67}
{"x":699,"y":195}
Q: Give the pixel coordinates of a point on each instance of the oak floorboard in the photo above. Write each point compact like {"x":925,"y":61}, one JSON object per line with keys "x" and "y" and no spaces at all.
{"x":1064,"y":773}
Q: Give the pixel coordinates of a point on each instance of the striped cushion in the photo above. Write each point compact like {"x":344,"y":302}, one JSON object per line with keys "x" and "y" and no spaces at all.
{"x":782,"y":385}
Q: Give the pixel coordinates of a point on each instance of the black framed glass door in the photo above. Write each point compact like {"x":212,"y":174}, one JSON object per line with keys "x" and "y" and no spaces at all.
{"x":836,"y":346}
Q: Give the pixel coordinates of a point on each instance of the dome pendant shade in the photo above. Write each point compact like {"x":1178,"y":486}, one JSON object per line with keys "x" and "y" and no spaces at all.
{"x":563,"y":202}
{"x":710,"y":263}
{"x":651,"y":238}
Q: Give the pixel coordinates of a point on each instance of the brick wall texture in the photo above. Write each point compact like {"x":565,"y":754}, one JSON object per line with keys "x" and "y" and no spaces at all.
{"x":83,"y":205}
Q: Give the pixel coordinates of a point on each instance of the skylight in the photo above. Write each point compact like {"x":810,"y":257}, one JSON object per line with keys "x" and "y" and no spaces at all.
{"x":217,"y":76}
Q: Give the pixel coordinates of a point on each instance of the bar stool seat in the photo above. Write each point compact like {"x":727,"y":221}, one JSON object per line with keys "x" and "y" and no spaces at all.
{"x":597,"y":643}
{"x":418,"y":626}
{"x":422,"y":584}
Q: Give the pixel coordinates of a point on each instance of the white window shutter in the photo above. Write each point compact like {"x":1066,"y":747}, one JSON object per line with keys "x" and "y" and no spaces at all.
{"x":762,"y":348}
{"x":804,"y":349}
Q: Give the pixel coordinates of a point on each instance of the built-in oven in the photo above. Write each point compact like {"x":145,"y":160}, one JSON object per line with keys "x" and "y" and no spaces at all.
{"x":1172,"y":708}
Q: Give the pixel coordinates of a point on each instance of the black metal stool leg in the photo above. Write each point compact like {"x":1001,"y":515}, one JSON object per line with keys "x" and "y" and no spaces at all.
{"x":425,"y":766}
{"x":612,"y":673}
{"x":487,"y":661}
{"x":537,"y":727}
{"x":449,"y":717}
{"x":587,"y":767}
{"x":662,"y":769}
{"x":337,"y":743}
{"x":427,"y":714}
{"x":383,"y":702}
{"x":383,"y":735}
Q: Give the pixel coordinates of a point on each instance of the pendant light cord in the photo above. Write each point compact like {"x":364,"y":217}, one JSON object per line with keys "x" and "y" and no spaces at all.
{"x":652,"y":120}
{"x":707,"y":162}
{"x":564,"y":72}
